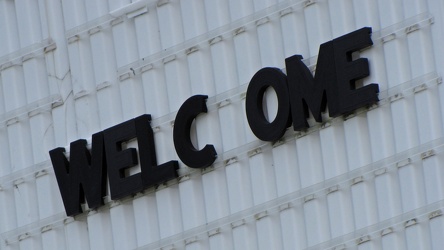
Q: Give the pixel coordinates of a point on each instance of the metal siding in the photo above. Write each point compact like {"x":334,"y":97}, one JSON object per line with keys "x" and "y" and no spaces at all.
{"x":369,"y":180}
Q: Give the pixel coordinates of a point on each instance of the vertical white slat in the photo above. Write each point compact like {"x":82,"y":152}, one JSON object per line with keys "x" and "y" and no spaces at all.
{"x":392,"y":239}
{"x":404,"y":124}
{"x":48,"y":195}
{"x":170,"y":27}
{"x":76,"y":234}
{"x":9,"y":213}
{"x":221,"y":241}
{"x":133,"y":102}
{"x":262,"y":177}
{"x":232,"y":126}
{"x":192,"y":203}
{"x":239,"y":9}
{"x":268,"y":233}
{"x":357,"y":141}
{"x":88,"y":121}
{"x":388,"y":195}
{"x":412,"y":187}
{"x":146,"y":222}
{"x":342,"y":19}
{"x":417,"y":237}
{"x":217,"y":13}
{"x":370,"y":245}
{"x":100,"y":230}
{"x":420,"y":52}
{"x":197,"y":243}
{"x":193,"y":18}
{"x":216,"y":198}
{"x":262,"y":4}
{"x":64,"y":122}
{"x":169,"y":211}
{"x":270,"y":43}
{"x":116,"y":4}
{"x":340,"y":212}
{"x":110,"y":106}
{"x":177,"y":82}
{"x":20,"y":150}
{"x":26,"y":202}
{"x":364,"y":204}
{"x":74,"y":13}
{"x":247,"y":54}
{"x":390,"y":12}
{"x":380,"y":132}
{"x":435,"y":8}
{"x":148,"y":37}
{"x":436,"y":30}
{"x":436,"y":231}
{"x":14,"y":86}
{"x":311,"y":169}
{"x":28,"y":22}
{"x":316,"y":221}
{"x":224,"y":64}
{"x":293,"y":227}
{"x":433,"y":178}
{"x":239,"y":186}
{"x":42,"y":135}
{"x":413,"y":8}
{"x":366,"y":14}
{"x":428,"y":115}
{"x":334,"y":152}
{"x":242,"y":232}
{"x":125,"y":43}
{"x":200,"y":72}
{"x":96,"y":9}
{"x":35,"y":77}
{"x":155,"y":92}
{"x":316,"y":17}
{"x":397,"y":61}
{"x":286,"y":168}
{"x":293,"y":33}
{"x":123,"y":225}
{"x":8,"y":26}
{"x":4,"y":152}
{"x":54,"y":239}
{"x":30,"y":242}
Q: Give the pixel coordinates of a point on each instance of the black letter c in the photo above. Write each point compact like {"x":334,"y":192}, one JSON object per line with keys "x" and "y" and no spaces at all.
{"x":189,"y":155}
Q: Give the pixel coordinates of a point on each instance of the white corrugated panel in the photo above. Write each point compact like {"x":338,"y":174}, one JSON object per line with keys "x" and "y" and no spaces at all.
{"x":373,"y":179}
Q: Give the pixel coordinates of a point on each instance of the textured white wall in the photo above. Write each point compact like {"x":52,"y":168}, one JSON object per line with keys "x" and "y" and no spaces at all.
{"x":371,"y":180}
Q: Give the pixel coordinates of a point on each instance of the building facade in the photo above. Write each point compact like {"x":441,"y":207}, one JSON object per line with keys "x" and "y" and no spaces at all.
{"x":369,"y":179}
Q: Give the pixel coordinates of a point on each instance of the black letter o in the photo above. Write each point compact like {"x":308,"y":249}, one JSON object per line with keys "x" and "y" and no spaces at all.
{"x":261,"y":127}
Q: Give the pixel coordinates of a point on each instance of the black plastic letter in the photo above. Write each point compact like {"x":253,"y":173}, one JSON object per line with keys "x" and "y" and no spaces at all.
{"x":119,"y":159}
{"x":348,"y":71}
{"x":152,"y":174}
{"x":334,"y":82}
{"x":261,"y":127}
{"x":189,"y":155}
{"x":84,"y":175}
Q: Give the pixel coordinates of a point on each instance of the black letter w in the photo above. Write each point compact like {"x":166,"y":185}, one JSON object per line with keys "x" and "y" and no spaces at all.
{"x":84,"y":175}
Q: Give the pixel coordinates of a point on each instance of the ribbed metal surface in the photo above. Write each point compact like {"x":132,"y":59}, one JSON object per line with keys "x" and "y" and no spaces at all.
{"x":371,"y":180}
